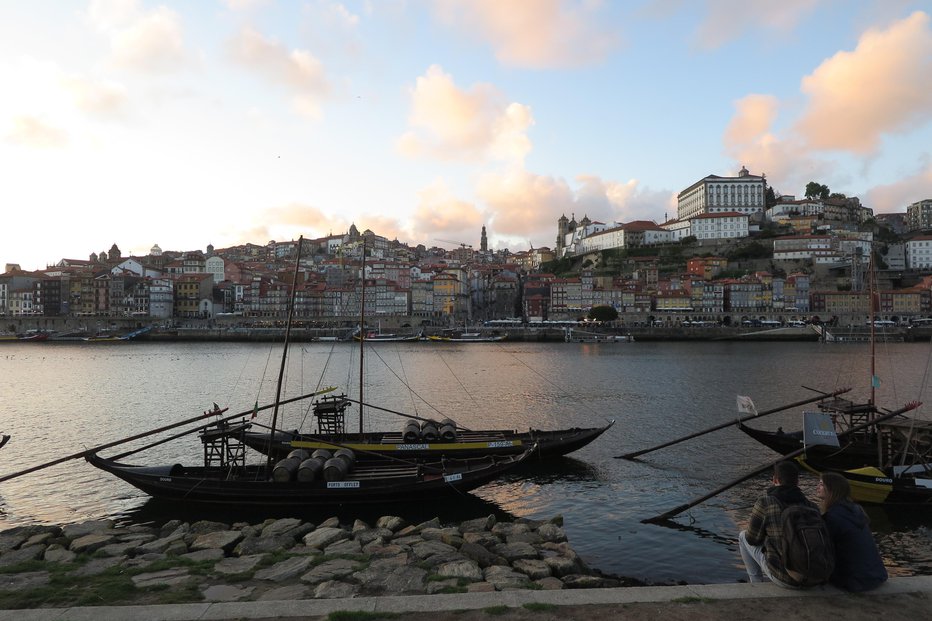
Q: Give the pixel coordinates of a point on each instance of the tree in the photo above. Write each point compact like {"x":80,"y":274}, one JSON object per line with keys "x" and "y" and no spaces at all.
{"x":817,"y":190}
{"x":771,"y":198}
{"x":603,"y":313}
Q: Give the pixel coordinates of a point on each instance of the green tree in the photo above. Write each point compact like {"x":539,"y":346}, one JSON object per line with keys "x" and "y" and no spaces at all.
{"x":603,"y":313}
{"x":771,"y":198}
{"x":817,"y":190}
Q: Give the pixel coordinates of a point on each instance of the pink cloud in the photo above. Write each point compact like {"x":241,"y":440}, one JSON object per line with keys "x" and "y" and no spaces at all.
{"x":880,"y":87}
{"x":726,"y":20}
{"x":895,"y":197}
{"x":30,"y":131}
{"x":540,"y":34}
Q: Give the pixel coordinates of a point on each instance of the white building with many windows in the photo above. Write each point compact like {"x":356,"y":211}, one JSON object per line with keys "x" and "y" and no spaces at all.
{"x":919,"y":252}
{"x":724,"y":225}
{"x":714,"y":194}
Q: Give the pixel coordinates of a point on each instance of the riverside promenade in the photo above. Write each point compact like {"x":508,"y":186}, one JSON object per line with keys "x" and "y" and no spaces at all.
{"x":900,"y":599}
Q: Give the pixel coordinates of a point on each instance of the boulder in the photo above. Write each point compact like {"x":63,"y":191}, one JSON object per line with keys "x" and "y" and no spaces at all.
{"x":333,"y":589}
{"x":391,"y":522}
{"x":285,"y":570}
{"x":324,"y":536}
{"x":461,"y":569}
{"x":534,"y":569}
{"x":237,"y":564}
{"x":225,"y":540}
{"x":478,"y":525}
{"x":330,"y":570}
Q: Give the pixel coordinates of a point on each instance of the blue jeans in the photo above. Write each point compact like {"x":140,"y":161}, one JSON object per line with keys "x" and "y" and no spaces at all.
{"x":755,"y":561}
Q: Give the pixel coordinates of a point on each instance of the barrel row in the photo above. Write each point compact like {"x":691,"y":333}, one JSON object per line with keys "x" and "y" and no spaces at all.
{"x":429,"y":431}
{"x":321,"y":464}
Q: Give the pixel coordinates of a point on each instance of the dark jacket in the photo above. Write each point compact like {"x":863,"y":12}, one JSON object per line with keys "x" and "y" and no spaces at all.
{"x":858,"y":566}
{"x":765,"y":526}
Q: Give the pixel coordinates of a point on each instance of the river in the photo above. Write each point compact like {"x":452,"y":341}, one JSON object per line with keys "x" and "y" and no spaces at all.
{"x":60,"y":398}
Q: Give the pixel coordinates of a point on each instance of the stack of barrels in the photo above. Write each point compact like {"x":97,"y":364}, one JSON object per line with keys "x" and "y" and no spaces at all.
{"x":429,"y":431}
{"x":321,"y":464}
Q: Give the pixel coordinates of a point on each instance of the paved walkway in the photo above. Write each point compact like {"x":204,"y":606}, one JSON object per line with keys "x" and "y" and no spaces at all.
{"x":295,"y":609}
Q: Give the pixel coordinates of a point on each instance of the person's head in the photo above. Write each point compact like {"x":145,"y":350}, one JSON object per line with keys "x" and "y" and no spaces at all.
{"x":832,"y":489}
{"x":786,"y":473}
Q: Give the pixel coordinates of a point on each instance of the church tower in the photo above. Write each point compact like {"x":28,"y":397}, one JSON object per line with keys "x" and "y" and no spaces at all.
{"x":562,"y":230}
{"x":484,"y":241}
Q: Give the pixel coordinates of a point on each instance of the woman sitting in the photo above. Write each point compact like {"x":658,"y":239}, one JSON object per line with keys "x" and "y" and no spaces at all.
{"x":858,"y":566}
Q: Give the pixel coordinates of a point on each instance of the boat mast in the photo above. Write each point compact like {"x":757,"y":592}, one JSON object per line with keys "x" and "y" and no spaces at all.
{"x":871,"y":288}
{"x":362,"y":327}
{"x":281,"y":371}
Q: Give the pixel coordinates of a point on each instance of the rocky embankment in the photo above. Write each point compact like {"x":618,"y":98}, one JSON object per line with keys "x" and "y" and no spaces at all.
{"x":100,"y":563}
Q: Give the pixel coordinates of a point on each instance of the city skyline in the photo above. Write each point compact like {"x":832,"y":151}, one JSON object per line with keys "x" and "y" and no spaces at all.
{"x":234,"y":121}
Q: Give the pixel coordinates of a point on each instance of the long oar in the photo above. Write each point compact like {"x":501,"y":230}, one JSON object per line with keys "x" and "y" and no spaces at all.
{"x":144,"y":434}
{"x":397,"y":413}
{"x":730,"y":423}
{"x":673,"y":512}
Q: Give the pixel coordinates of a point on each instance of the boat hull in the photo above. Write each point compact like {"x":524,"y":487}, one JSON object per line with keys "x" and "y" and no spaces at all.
{"x":249,"y":485}
{"x":877,"y":486}
{"x":850,"y":455}
{"x":469,"y":444}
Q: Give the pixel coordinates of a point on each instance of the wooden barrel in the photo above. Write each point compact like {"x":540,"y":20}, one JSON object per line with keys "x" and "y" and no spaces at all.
{"x":447,"y":430}
{"x":335,"y":469}
{"x":412,"y":432}
{"x":429,"y":432}
{"x":323,"y":454}
{"x":285,"y":470}
{"x":299,"y":454}
{"x":310,"y":470}
{"x":348,"y":455}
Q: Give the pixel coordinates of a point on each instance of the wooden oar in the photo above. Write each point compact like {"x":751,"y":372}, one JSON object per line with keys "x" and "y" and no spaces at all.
{"x":144,"y":434}
{"x":673,"y":512}
{"x":730,"y":423}
{"x":397,"y":413}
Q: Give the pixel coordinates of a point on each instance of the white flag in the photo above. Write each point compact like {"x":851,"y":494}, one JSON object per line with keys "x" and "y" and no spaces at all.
{"x":746,"y":406}
{"x":818,"y":429}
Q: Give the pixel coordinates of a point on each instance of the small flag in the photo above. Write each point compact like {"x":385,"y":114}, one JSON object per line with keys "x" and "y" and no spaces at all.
{"x":255,"y":409}
{"x":818,"y":429}
{"x":875,"y":381}
{"x":746,"y":406}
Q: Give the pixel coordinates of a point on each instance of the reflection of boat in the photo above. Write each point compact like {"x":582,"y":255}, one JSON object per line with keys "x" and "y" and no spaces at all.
{"x":301,"y":478}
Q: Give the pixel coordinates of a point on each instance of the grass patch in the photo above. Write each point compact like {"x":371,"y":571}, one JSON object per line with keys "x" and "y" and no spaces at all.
{"x":692,"y":599}
{"x":496,"y":611}
{"x":360,"y":615}
{"x":452,"y":589}
{"x":539,"y":607}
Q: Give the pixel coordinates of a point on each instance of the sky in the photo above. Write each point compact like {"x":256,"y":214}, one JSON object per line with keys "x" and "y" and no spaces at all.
{"x":223,"y":122}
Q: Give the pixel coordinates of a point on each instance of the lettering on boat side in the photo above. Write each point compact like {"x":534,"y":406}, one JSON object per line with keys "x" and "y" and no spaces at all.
{"x":166,"y":479}
{"x":883,"y":480}
{"x":501,"y":444}
{"x":342,"y":484}
{"x":412,"y":447}
{"x":449,"y":478}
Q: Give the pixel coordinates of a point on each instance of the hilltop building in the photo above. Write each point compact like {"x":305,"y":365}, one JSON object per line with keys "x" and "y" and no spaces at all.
{"x":714,"y":194}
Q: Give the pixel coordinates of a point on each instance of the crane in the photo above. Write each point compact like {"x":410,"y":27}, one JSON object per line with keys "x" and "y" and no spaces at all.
{"x":460,"y":244}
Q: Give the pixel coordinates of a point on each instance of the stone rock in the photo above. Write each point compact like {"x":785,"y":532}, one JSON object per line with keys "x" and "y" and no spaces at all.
{"x":285,"y":570}
{"x":97,"y":566}
{"x":116,"y":549}
{"x":285,"y":593}
{"x":579,"y":581}
{"x":213,"y":554}
{"x":171,"y":526}
{"x":391,"y":522}
{"x":359,"y":526}
{"x":56,"y":553}
{"x":330,"y":570}
{"x":324,"y":536}
{"x":507,"y":529}
{"x":237,"y":564}
{"x":136,"y":538}
{"x":364,"y":537}
{"x":225,"y":540}
{"x":431,"y":523}
{"x":38,"y":539}
{"x":562,"y":566}
{"x":552,"y":533}
{"x":528,"y":537}
{"x":531,"y":524}
{"x":143,"y":561}
{"x":514,"y":551}
{"x":451,"y":539}
{"x":484,"y":539}
{"x":73,"y":531}
{"x":533,"y":568}
{"x":410,"y":540}
{"x":177,"y":548}
{"x":392,"y":577}
{"x":12,"y":539}
{"x":432,"y":534}
{"x":203,"y":527}
{"x":478,"y":525}
{"x":480,"y":555}
{"x":88,"y":543}
{"x":15,"y":557}
{"x":439,"y":586}
{"x":335,"y":590}
{"x":505,"y":578}
{"x":24,"y":580}
{"x":557,"y":520}
{"x":382,"y":549}
{"x":162,"y":544}
{"x":408,"y":531}
{"x":226,"y":593}
{"x":287,"y":526}
{"x":426,"y":549}
{"x":461,"y":569}
{"x":168,"y":577}
{"x":345,"y":547}
{"x":406,"y":580}
{"x":549,"y":583}
{"x":331,"y":522}
{"x":263,"y":545}
{"x":480,"y":587}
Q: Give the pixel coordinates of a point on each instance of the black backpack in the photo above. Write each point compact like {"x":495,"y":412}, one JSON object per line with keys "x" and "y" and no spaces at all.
{"x":808,"y":553}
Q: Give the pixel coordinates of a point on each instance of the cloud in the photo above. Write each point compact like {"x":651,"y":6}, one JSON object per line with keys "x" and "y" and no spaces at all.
{"x":244,"y":5}
{"x":30,"y":131}
{"x":726,"y":20}
{"x":622,"y":202}
{"x":450,"y":123}
{"x":881,"y":87}
{"x":151,"y":42}
{"x":895,"y":197}
{"x":100,"y":99}
{"x":296,"y":70}
{"x":440,"y":214}
{"x":523,"y":204}
{"x":538,"y":35}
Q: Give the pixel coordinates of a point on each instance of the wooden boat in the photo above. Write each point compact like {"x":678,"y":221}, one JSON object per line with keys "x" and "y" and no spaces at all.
{"x":300,"y":478}
{"x":422,"y":441}
{"x":467,"y":337}
{"x":372,"y":483}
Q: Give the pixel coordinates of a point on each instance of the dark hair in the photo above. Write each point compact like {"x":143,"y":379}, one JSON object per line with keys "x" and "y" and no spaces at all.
{"x":835,"y":489}
{"x":786,"y":473}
